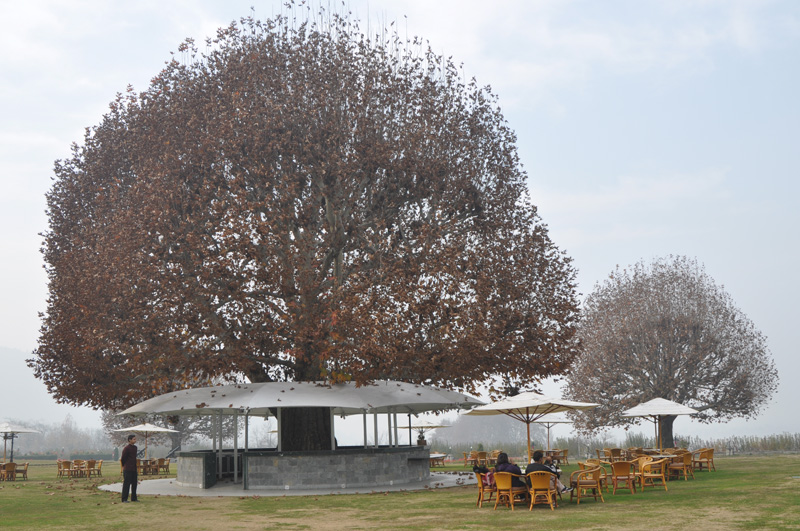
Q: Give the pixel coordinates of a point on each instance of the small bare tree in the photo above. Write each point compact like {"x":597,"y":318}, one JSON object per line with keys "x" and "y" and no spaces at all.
{"x":668,"y":330}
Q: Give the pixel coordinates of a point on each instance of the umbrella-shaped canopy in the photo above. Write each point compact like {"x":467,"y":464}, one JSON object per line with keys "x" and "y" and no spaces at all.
{"x":656,"y":409}
{"x":10,"y":431}
{"x":344,"y":398}
{"x":147,"y":429}
{"x":528,"y":408}
{"x":548,"y":421}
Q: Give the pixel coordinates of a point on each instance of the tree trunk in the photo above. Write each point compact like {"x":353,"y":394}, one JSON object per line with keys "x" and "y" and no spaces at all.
{"x":307,"y":428}
{"x":666,"y":431}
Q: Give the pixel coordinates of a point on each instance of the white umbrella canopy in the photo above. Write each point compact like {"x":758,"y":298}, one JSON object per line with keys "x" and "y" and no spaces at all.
{"x":10,"y":431}
{"x":656,"y":409}
{"x":147,"y":429}
{"x":529,"y":407}
{"x":344,"y":398}
{"x":548,"y":421}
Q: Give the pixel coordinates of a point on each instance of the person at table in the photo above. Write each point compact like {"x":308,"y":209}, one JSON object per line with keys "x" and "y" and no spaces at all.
{"x":541,"y":465}
{"x":129,"y":474}
{"x":504,"y":465}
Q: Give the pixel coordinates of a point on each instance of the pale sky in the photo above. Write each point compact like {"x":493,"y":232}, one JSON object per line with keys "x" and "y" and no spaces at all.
{"x":647,"y":128}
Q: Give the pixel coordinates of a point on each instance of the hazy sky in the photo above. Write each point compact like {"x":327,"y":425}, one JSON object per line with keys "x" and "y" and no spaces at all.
{"x":647,"y":128}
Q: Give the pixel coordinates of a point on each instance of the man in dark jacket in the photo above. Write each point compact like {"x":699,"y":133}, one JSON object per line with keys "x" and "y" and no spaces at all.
{"x":539,"y":465}
{"x":129,"y":476}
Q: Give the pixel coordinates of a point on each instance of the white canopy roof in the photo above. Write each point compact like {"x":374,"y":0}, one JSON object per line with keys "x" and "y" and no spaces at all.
{"x":5,"y":427}
{"x":658,"y":407}
{"x":345,"y":399}
{"x":529,"y":406}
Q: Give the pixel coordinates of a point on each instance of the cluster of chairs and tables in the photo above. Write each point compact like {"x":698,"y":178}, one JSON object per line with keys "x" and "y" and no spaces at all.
{"x":146,"y":467}
{"x":616,"y":469}
{"x":11,"y":471}
{"x":79,"y":468}
{"x":486,"y":459}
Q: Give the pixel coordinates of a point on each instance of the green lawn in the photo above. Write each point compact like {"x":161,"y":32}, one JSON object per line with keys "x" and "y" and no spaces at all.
{"x":755,"y":492}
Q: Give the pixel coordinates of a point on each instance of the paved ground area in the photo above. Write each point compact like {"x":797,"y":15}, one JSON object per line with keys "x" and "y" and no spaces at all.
{"x":169,"y":487}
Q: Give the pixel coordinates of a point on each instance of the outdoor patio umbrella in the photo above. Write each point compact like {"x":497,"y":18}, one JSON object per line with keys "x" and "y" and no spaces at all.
{"x":147,"y":429}
{"x":655,"y":410}
{"x":10,"y":431}
{"x":529,"y":407}
{"x":548,"y":421}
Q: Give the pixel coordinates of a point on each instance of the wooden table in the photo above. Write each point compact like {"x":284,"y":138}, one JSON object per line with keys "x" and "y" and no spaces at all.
{"x":437,"y":459}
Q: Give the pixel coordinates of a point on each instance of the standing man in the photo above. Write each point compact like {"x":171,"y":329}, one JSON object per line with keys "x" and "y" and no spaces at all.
{"x":129,"y":476}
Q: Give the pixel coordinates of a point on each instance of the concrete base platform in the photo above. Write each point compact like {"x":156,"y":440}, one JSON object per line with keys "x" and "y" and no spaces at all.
{"x":170,"y":487}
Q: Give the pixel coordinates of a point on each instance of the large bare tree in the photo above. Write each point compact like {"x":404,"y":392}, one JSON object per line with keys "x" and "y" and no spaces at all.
{"x":667,"y":330}
{"x":300,"y":202}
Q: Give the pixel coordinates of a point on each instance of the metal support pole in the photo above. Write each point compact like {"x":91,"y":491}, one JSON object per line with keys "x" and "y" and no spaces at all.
{"x":280,"y":446}
{"x":365,"y":428}
{"x":375,"y":428}
{"x":333,"y":434}
{"x":236,"y":447}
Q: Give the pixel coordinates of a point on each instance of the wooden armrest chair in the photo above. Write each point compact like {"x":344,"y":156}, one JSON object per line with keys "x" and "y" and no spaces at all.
{"x":63,"y":468}
{"x":681,"y":465}
{"x":652,"y":471}
{"x":583,"y":481}
{"x":483,"y":460}
{"x":10,"y":473}
{"x":506,"y":491}
{"x":485,"y":490}
{"x":605,"y":477}
{"x":99,"y":468}
{"x":78,"y":468}
{"x":90,"y":469}
{"x":564,"y":458}
{"x":163,"y":465}
{"x":22,"y":470}
{"x":705,"y":459}
{"x":542,"y":489}
{"x":623,"y":476}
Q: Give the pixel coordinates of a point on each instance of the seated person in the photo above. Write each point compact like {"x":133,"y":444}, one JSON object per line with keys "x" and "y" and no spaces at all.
{"x":539,"y":465}
{"x":504,"y":465}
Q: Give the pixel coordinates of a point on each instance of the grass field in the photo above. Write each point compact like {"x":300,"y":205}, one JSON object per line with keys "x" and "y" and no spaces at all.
{"x":756,"y":492}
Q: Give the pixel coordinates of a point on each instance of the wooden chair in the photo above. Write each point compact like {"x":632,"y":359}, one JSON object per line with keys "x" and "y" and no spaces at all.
{"x":542,"y":489}
{"x":473,"y":458}
{"x":485,"y":489}
{"x":615,"y":454}
{"x":63,"y":468}
{"x":583,"y":481}
{"x":99,"y":468}
{"x":492,"y":458}
{"x":22,"y":470}
{"x":90,"y":469}
{"x":704,"y":459}
{"x":605,"y":477}
{"x":506,"y":492}
{"x":78,"y":469}
{"x":10,"y":471}
{"x":623,"y":476}
{"x":556,"y":457}
{"x":652,"y":471}
{"x":483,"y":460}
{"x":681,"y":464}
{"x":564,"y":458}
{"x":163,"y":465}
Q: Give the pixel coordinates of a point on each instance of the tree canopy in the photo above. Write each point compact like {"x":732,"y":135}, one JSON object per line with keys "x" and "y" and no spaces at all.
{"x":299,"y":202}
{"x":667,"y":330}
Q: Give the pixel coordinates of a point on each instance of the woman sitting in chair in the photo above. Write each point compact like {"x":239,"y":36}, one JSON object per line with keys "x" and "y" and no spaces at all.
{"x":504,"y":465}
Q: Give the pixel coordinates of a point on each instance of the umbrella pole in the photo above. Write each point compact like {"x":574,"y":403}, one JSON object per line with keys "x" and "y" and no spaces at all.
{"x":528,"y":424}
